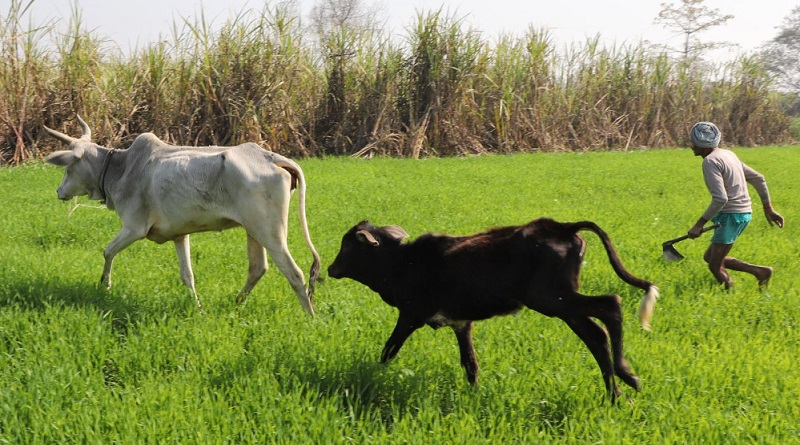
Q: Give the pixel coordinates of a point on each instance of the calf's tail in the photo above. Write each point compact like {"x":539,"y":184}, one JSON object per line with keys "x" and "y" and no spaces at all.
{"x":648,"y":303}
{"x":297,"y":173}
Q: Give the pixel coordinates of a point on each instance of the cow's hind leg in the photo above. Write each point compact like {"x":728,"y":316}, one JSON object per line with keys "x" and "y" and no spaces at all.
{"x":468,"y":360}
{"x":257,"y":267}
{"x":278,"y":250}
{"x":183,"y":250}
{"x":596,"y":339}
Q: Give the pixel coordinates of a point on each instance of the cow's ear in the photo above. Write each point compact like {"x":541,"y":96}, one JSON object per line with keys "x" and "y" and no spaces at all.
{"x":396,"y":232}
{"x":63,"y":158}
{"x":365,"y":237}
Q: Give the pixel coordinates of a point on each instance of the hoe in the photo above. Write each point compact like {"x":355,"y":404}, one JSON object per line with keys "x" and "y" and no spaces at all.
{"x":671,"y":254}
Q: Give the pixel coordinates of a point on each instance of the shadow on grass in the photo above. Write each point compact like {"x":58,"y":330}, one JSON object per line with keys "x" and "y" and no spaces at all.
{"x":363,"y":391}
{"x":39,"y":294}
{"x":367,"y":391}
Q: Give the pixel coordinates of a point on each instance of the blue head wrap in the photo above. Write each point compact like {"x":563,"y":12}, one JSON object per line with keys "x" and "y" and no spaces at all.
{"x":705,"y":135}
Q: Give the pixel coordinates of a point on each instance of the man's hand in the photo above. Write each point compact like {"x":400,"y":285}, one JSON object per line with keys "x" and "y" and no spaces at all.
{"x":773,"y":217}
{"x":695,"y":231}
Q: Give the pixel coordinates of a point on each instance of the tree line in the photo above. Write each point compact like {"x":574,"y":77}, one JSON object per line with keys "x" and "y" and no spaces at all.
{"x":440,"y":89}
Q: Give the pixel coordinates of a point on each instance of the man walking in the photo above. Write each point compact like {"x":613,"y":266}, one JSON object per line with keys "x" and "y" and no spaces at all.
{"x":726,"y":178}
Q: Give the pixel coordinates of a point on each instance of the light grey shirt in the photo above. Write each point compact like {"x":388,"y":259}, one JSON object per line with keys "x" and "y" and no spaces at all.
{"x":726,"y":178}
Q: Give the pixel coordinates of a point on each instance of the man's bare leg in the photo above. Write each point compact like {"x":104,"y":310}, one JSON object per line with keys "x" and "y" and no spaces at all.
{"x":762,"y":273}
{"x":718,"y":260}
{"x":715,"y":257}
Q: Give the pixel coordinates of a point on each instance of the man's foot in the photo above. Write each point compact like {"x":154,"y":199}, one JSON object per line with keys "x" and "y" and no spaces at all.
{"x":763,"y":277}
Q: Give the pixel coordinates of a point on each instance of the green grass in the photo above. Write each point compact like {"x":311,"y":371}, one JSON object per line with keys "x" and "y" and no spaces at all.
{"x":139,"y":364}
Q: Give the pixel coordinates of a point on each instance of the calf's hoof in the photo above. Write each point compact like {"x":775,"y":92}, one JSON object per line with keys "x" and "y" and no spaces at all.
{"x":631,"y":380}
{"x":388,"y":353}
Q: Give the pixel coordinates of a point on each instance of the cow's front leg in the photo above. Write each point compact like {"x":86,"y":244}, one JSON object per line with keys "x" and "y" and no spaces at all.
{"x":123,"y":239}
{"x":405,"y":326}
{"x":183,"y":250}
{"x":463,"y":332}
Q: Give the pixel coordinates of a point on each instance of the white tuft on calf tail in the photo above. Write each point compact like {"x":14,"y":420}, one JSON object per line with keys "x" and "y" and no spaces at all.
{"x":648,"y":306}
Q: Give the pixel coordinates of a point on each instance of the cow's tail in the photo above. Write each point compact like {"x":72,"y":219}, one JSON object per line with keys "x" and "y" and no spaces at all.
{"x":297,"y":173}
{"x":648,"y":303}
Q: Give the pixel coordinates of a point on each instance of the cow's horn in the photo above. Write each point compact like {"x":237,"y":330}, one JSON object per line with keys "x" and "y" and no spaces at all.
{"x":59,"y":135}
{"x":87,"y":132}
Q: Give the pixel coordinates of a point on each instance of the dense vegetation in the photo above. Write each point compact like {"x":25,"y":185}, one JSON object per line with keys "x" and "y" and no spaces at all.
{"x":139,"y":364}
{"x":439,"y":89}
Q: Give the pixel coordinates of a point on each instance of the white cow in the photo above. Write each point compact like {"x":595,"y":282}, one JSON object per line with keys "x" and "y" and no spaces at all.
{"x":163,"y":193}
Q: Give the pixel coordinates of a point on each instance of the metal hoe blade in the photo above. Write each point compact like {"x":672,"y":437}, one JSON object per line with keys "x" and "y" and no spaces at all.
{"x":668,"y":248}
{"x":670,"y":253}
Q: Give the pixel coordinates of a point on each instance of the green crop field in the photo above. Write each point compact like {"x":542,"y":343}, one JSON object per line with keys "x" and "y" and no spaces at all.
{"x":140,"y":364}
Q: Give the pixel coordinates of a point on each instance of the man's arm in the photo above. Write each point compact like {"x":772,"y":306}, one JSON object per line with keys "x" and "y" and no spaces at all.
{"x":719,"y":197}
{"x":716,"y":187}
{"x":759,"y":182}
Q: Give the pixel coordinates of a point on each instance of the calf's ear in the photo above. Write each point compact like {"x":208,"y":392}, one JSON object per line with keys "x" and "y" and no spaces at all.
{"x":62,"y":158}
{"x":365,"y":237}
{"x":396,"y":232}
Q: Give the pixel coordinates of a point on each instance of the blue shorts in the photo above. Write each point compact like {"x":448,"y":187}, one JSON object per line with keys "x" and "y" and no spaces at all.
{"x":731,"y":225}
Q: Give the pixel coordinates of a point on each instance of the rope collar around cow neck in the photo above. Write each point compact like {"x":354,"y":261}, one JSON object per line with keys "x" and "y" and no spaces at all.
{"x":101,"y":181}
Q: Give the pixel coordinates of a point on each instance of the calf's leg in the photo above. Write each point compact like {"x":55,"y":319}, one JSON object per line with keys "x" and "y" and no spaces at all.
{"x":402,"y":330}
{"x":608,"y":309}
{"x":468,"y":360}
{"x":183,"y":250}
{"x":596,"y":339}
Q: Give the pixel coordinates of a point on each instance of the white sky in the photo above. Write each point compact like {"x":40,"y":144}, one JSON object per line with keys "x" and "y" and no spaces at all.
{"x":133,"y":23}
